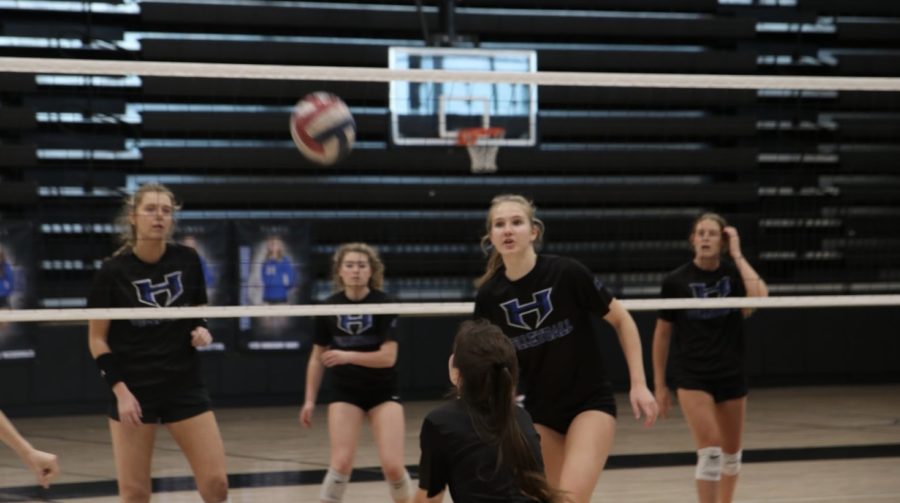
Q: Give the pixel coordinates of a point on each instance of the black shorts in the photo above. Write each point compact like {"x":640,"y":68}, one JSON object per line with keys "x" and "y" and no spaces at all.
{"x":721,"y":389}
{"x":167,"y":405}
{"x":559,"y":419}
{"x":365,"y":399}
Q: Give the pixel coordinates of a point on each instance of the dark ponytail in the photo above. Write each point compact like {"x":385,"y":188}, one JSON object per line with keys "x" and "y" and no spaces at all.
{"x":488,"y":371}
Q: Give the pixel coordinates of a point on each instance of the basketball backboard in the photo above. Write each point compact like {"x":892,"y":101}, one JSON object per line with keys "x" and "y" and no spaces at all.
{"x":431,"y":113}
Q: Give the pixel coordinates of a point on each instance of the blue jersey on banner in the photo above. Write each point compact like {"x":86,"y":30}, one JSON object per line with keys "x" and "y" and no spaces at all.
{"x":7,"y":284}
{"x":208,"y":277}
{"x":278,"y":277}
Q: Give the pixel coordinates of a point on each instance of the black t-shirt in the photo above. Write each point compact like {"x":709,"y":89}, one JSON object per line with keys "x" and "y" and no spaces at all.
{"x":547,"y":315}
{"x":358,"y":332}
{"x":707,"y":343}
{"x":152,"y":352}
{"x":454,"y":455}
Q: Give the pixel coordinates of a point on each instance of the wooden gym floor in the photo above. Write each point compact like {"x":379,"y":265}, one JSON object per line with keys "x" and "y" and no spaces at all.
{"x":805,"y":444}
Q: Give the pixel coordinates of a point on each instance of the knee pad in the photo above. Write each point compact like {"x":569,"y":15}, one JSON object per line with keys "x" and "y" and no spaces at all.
{"x":731,"y":463}
{"x":333,"y":486}
{"x":709,"y":464}
{"x":401,"y":490}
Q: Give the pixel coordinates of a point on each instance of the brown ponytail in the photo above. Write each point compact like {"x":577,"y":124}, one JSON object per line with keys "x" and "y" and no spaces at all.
{"x":488,"y":371}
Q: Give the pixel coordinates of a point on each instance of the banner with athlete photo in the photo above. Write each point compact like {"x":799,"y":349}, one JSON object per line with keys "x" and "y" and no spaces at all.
{"x":210,"y":239}
{"x":16,"y":288}
{"x":273,"y":268}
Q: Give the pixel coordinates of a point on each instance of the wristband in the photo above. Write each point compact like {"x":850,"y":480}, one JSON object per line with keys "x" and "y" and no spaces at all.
{"x":109,"y":368}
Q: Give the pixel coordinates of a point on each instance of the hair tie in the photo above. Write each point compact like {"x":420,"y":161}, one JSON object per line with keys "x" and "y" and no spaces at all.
{"x":498,"y":366}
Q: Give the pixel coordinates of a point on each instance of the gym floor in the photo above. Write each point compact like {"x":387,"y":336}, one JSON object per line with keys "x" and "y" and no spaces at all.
{"x":805,"y":444}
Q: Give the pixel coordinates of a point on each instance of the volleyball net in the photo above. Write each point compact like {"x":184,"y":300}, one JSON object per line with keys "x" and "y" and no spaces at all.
{"x":618,"y":165}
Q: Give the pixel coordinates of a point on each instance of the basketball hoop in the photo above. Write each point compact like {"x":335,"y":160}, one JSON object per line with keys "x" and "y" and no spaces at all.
{"x":482,"y":145}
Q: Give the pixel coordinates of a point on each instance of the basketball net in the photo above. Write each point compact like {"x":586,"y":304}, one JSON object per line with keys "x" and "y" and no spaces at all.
{"x":482,"y":150}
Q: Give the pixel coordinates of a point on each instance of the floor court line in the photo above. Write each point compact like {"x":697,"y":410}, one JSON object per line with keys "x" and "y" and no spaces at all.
{"x":92,"y":489}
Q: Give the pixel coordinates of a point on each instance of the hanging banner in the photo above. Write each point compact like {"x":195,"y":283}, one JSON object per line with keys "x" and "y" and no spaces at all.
{"x":273,"y":268}
{"x":210,"y":239}
{"x":16,"y":288}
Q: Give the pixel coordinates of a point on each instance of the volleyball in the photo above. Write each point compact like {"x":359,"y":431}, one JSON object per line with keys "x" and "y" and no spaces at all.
{"x":323,"y":128}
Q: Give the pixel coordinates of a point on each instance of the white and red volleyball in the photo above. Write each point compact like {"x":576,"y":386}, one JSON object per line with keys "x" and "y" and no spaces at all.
{"x":323,"y":128}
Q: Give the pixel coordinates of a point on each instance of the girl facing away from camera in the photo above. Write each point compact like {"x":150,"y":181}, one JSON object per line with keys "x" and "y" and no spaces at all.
{"x":708,"y":353}
{"x":360,"y":352}
{"x":481,"y":444}
{"x":152,"y":366}
{"x":545,"y":304}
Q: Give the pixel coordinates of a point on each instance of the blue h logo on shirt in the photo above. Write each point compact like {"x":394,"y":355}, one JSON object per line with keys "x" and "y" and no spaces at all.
{"x":540,"y":304}
{"x":147,"y":291}
{"x":722,"y":288}
{"x":354,"y":324}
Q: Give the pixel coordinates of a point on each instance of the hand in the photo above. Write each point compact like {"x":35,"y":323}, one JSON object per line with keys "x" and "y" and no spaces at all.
{"x":129,"y":408}
{"x":44,"y":465}
{"x":734,"y":242}
{"x":334,"y":357}
{"x":642,"y":402}
{"x":200,"y":337}
{"x":663,"y":400}
{"x":306,"y":413}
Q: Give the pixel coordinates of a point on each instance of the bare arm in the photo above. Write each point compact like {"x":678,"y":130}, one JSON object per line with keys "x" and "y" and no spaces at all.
{"x":43,"y":464}
{"x":314,"y":372}
{"x":200,"y":335}
{"x":627,"y":332}
{"x":98,"y":330}
{"x":385,"y":357}
{"x":662,"y":337}
{"x":128,"y":407}
{"x":11,"y":437}
{"x":753,"y":283}
{"x":641,"y":398}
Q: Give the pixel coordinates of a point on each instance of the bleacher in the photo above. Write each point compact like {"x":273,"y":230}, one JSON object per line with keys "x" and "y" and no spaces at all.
{"x":810,"y":179}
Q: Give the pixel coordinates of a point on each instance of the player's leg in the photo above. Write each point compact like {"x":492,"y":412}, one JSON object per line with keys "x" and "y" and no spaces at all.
{"x":587,"y":445}
{"x":388,"y":429}
{"x":699,"y":411}
{"x":133,"y":453}
{"x":730,"y":415}
{"x":200,"y":440}
{"x":344,"y":424}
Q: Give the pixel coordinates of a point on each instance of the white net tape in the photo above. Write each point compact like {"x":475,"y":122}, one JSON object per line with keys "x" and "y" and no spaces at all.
{"x":275,"y":72}
{"x":426,"y":308}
